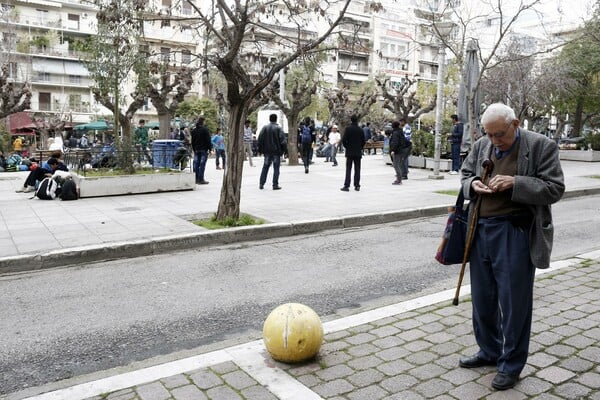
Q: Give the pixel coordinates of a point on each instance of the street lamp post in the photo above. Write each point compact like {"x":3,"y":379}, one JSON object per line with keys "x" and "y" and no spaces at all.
{"x":443,"y":30}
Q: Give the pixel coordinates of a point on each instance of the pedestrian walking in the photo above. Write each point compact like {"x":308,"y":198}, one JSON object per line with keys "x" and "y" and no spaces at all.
{"x":334,"y":142}
{"x":271,"y":143}
{"x":399,"y":149}
{"x":201,"y":145}
{"x":455,"y":143}
{"x":248,"y":133}
{"x":512,"y":237}
{"x":353,"y":141}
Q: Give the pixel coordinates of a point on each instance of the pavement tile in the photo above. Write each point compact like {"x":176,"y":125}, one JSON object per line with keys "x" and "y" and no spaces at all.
{"x":399,"y":383}
{"x":205,"y":379}
{"x":238,"y":380}
{"x":470,"y":391}
{"x":335,"y":372}
{"x":174,"y":381}
{"x":394,"y":367}
{"x":572,"y":390}
{"x":257,"y":393}
{"x":590,"y":379}
{"x":387,"y":342}
{"x":333,"y":388}
{"x":189,"y":392}
{"x":153,"y":391}
{"x":363,"y":363}
{"x":365,"y":378}
{"x":368,"y":393}
{"x":433,"y":387}
{"x":362,"y":350}
{"x":555,"y":374}
{"x":222,"y":393}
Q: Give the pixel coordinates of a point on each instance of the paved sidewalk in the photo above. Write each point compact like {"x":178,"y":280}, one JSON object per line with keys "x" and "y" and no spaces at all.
{"x":408,"y":350}
{"x":39,"y":234}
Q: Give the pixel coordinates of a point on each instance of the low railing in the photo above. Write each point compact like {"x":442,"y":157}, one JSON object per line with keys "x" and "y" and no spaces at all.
{"x":104,"y":158}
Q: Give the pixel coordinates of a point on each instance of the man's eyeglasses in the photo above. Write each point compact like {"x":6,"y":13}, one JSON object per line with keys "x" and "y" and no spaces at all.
{"x":499,"y":135}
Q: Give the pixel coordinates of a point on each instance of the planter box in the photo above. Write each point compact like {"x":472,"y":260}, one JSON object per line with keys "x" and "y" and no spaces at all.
{"x":135,"y":184}
{"x":580,"y":155}
{"x":416,"y":161}
{"x":445,"y":164}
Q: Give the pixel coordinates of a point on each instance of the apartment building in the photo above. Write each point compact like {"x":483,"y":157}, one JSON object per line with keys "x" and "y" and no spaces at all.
{"x":42,"y":42}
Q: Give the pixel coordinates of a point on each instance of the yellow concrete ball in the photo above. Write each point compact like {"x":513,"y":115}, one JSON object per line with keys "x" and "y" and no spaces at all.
{"x":292,"y":333}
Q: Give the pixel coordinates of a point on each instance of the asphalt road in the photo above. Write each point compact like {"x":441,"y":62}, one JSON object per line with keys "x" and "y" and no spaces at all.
{"x":61,"y":323}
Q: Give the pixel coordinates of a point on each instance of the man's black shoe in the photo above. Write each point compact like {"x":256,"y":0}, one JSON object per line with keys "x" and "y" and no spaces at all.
{"x":276,"y":187}
{"x":357,"y":188}
{"x":345,"y":189}
{"x":504,"y":381}
{"x":202,"y":183}
{"x":261,"y":187}
{"x":306,"y":170}
{"x":474,"y":362}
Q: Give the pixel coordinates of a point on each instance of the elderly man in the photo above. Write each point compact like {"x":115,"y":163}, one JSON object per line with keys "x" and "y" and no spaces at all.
{"x":513,"y":236}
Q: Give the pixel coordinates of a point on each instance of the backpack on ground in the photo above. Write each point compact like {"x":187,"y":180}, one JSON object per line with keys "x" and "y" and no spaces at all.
{"x":306,"y":135}
{"x":47,"y":189}
{"x":68,"y":190}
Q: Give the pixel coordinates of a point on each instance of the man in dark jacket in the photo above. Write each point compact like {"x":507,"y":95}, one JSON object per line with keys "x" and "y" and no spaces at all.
{"x":455,"y":142}
{"x":201,"y":145}
{"x":353,"y":141}
{"x":271,"y":143}
{"x":399,"y":149}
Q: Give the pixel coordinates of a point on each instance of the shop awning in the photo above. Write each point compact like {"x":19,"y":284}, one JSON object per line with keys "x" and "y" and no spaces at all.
{"x":93,"y":126}
{"x":354,"y":77}
{"x":21,"y":124}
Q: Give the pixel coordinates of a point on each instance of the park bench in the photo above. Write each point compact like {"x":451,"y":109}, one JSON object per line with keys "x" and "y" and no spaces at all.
{"x":374,"y":146}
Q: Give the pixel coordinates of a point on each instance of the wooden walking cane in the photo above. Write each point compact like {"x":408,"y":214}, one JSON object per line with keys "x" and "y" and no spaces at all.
{"x":488,"y":167}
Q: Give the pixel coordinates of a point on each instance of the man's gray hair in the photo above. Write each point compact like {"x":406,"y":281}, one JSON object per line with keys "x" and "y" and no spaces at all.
{"x":498,"y":111}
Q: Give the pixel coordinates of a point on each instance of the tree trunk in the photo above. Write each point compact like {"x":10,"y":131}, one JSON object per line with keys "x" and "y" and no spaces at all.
{"x":164,"y":122}
{"x":292,"y":140}
{"x":229,"y":202}
{"x":577,"y":121}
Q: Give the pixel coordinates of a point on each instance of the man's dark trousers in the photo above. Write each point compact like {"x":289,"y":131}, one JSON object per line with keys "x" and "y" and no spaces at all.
{"x":455,"y":148}
{"x":502,"y":277}
{"x":276,"y":161}
{"x":349,"y":162}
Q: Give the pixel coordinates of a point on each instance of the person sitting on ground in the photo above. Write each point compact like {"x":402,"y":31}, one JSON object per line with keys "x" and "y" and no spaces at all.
{"x":47,"y":169}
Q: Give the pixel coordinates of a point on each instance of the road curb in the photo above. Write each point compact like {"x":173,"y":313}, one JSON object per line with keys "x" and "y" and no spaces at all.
{"x":164,"y":244}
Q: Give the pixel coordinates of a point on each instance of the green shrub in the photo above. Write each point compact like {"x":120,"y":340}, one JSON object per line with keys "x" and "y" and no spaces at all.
{"x":423,"y":143}
{"x":593,"y":140}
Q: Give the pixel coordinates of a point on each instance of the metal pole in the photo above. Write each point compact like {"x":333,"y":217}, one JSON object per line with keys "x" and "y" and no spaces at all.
{"x":438,"y":113}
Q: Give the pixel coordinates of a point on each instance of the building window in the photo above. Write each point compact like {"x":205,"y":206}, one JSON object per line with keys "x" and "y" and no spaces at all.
{"x":186,"y":7}
{"x":186,"y":56}
{"x":73,"y":21}
{"x":8,"y":40}
{"x":165,"y":53}
{"x":43,"y":76}
{"x":75,"y":79}
{"x":44,"y":101}
{"x":75,"y":102}
{"x":42,"y":16}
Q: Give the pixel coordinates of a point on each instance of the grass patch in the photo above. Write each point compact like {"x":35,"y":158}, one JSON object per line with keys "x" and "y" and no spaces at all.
{"x":243,"y":220}
{"x":595,"y":176}
{"x":448,"y":192}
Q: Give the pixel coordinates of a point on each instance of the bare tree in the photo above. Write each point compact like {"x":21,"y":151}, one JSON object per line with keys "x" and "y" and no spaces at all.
{"x":504,"y":21}
{"x":402,"y":101}
{"x":342,"y":107}
{"x":275,"y":32}
{"x":160,"y":90}
{"x":14,"y":97}
{"x":112,"y":56}
{"x":301,"y":84}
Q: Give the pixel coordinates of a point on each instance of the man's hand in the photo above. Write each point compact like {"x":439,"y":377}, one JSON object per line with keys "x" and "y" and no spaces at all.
{"x":498,"y":183}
